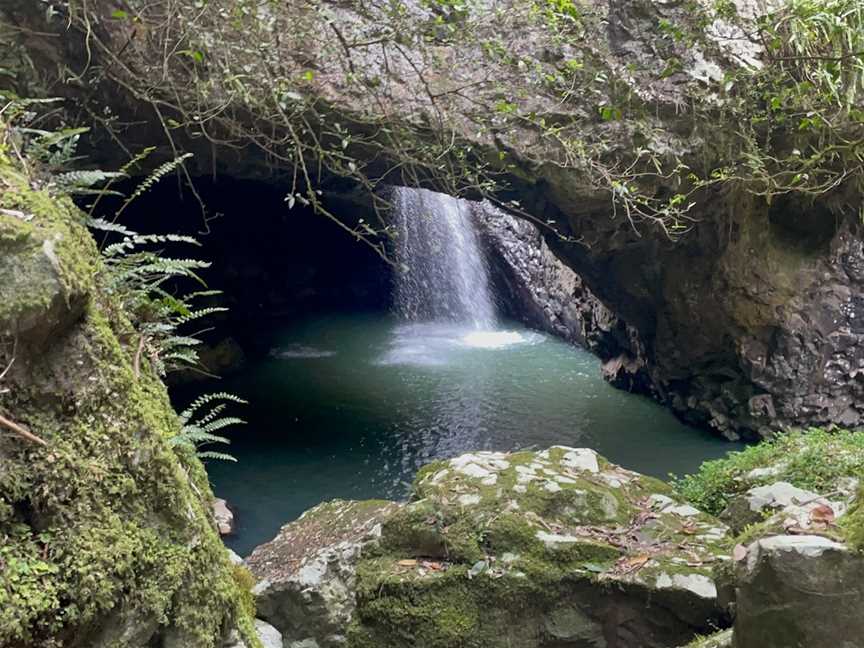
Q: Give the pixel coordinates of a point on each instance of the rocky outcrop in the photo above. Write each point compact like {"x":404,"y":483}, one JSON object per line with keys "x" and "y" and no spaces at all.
{"x":308,"y":573}
{"x":529,"y":549}
{"x":796,"y":507}
{"x":534,"y":285}
{"x":106,"y":536}
{"x":748,"y":323}
{"x":223,"y":517}
{"x":267,"y":635}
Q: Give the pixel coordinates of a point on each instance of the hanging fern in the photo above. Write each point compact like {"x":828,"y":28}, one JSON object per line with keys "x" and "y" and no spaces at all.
{"x":83,"y":182}
{"x":136,"y":274}
{"x":158,"y":173}
{"x":200,"y":426}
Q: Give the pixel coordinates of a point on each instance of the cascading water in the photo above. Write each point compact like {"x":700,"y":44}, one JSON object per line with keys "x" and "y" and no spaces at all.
{"x":443,"y":272}
{"x":442,"y":291}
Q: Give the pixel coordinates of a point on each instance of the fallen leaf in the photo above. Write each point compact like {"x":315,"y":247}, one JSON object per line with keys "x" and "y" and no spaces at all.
{"x":478,"y":568}
{"x":594,"y":567}
{"x":410,"y":562}
{"x":635,"y":562}
{"x":822,"y":514}
{"x":789,"y":523}
{"x":739,"y":553}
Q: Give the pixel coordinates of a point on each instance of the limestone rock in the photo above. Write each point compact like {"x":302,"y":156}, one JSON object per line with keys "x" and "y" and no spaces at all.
{"x":799,"y":592}
{"x":522,"y":550}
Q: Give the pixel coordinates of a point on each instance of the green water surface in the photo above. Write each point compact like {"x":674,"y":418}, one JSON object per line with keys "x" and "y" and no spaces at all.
{"x":350,"y":406}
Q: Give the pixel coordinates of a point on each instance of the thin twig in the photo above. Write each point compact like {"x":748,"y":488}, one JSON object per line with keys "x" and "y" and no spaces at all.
{"x":21,"y":431}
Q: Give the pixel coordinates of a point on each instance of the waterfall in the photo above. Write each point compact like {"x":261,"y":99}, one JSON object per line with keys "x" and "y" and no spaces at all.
{"x":443,"y":275}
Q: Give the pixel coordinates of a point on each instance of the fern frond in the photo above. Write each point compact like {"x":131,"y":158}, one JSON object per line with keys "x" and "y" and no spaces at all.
{"x":107,"y":226}
{"x":221,"y":456}
{"x":158,"y":173}
{"x":201,"y":432}
{"x":205,"y":399}
{"x":74,"y":180}
{"x":202,"y":312}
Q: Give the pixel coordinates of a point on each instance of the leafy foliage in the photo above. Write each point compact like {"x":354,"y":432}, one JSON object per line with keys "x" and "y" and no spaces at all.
{"x":812,"y":459}
{"x":137,"y":276}
{"x":199,"y":427}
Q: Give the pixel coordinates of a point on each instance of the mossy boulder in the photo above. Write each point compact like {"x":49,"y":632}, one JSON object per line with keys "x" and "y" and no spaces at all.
{"x":795,"y":506}
{"x":523,"y":549}
{"x":308,"y":573}
{"x":106,"y":538}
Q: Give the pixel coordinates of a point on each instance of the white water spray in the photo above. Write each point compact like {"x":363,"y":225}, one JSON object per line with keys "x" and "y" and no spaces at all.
{"x":444,"y":276}
{"x":443,"y":292}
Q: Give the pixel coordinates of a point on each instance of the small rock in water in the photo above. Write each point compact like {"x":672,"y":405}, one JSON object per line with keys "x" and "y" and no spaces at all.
{"x":223,"y":516}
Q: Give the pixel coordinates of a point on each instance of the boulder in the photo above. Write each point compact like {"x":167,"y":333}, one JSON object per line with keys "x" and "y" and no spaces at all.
{"x":523,"y":549}
{"x":307,"y":574}
{"x":799,"y":592}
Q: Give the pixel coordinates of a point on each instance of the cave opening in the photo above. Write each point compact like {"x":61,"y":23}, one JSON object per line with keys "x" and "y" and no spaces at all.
{"x":358,"y":373}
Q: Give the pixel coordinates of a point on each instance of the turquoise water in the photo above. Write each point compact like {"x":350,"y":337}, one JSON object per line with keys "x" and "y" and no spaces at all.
{"x":351,"y":406}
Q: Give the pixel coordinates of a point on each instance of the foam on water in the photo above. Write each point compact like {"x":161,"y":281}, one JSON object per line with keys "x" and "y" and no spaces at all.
{"x":498,"y":339}
{"x":299,"y":351}
{"x":442,"y":343}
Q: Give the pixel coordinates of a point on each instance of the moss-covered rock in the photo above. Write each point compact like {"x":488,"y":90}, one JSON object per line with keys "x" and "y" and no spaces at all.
{"x":823,"y":461}
{"x":795,"y":505}
{"x":106,"y":538}
{"x":548,"y":548}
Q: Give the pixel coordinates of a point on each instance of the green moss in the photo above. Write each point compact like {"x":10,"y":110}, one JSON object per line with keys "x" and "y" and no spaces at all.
{"x":853,"y":522}
{"x":814,"y":459}
{"x":107,"y":528}
{"x":446,"y":609}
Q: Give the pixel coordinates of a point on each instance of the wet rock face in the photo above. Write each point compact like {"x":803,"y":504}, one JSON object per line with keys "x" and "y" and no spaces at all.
{"x":746,"y":326}
{"x":524,"y":550}
{"x":534,"y":285}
